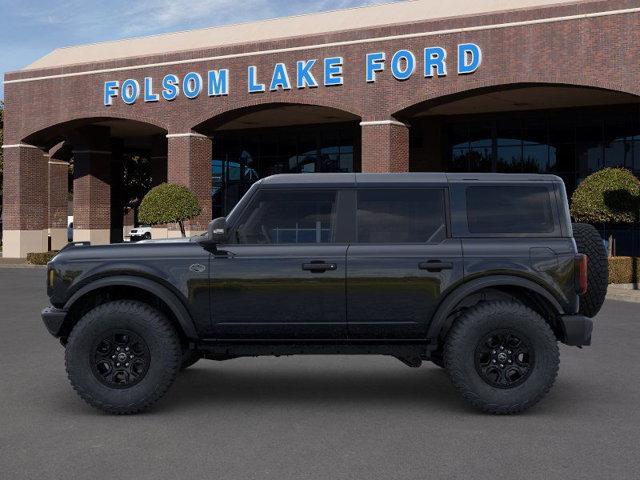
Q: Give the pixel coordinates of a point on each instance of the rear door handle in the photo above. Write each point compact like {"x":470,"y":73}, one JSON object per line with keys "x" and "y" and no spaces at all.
{"x":435,"y":266}
{"x":318,"y":266}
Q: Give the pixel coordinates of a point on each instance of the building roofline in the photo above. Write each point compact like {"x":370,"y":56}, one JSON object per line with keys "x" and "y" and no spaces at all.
{"x":282,"y":28}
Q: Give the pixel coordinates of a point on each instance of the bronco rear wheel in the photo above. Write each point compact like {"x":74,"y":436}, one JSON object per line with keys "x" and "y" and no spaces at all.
{"x":502,"y":356}
{"x":122,"y":356}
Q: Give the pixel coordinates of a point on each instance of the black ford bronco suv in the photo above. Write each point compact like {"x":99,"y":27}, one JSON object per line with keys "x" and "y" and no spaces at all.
{"x":482,"y":274}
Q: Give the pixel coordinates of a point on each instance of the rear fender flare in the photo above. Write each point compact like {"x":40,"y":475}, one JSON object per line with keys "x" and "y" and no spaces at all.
{"x":460,"y":293}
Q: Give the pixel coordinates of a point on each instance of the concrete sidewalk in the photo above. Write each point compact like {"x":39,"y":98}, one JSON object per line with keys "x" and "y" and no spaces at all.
{"x":17,"y":263}
{"x":626,"y":292}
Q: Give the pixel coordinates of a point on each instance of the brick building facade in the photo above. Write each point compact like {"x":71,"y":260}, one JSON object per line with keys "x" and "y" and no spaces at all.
{"x":402,"y":88}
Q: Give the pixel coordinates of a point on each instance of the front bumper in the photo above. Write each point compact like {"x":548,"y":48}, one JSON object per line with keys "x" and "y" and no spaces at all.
{"x":576,"y":329}
{"x":53,"y":319}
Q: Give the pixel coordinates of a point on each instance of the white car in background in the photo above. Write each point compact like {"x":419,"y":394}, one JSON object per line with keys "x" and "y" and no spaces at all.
{"x":143,"y":232}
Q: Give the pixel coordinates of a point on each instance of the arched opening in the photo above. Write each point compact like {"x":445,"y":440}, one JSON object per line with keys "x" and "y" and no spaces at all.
{"x":112,"y":163}
{"x":558,"y":129}
{"x":258,"y":141}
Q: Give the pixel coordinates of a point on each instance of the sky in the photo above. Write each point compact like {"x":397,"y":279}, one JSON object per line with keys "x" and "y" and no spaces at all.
{"x":29,"y":29}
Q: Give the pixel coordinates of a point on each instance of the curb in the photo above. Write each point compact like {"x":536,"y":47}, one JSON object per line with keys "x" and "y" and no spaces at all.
{"x":20,"y":265}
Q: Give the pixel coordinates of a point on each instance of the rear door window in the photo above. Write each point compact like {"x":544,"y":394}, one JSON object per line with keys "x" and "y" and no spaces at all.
{"x":401,"y":215}
{"x":509,"y":209}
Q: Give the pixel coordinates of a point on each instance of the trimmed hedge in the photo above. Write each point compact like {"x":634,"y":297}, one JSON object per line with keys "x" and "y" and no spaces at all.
{"x":621,"y":270}
{"x":609,"y":195}
{"x":41,"y":258}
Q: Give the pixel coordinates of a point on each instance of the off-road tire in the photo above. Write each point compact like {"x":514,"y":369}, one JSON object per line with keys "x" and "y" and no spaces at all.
{"x":590,"y":243}
{"x":147,"y":323}
{"x":469,"y":331}
{"x":189,"y":357}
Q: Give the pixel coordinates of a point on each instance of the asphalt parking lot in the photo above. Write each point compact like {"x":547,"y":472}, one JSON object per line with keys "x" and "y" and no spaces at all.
{"x":314,"y":417}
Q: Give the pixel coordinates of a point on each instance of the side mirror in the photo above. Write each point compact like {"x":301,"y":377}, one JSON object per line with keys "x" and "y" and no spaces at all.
{"x":217,"y":230}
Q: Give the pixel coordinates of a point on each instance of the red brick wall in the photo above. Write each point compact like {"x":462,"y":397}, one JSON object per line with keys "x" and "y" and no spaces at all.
{"x":599,"y":52}
{"x":25,"y":178}
{"x":58,"y":188}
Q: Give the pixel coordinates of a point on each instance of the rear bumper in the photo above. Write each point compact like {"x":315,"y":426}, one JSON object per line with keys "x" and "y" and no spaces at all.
{"x":576,"y":329}
{"x":53,"y":319}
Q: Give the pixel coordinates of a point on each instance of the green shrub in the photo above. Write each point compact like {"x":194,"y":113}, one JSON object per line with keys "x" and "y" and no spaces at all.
{"x":611,"y":195}
{"x":168,"y":203}
{"x":41,"y":258}
{"x":621,"y":270}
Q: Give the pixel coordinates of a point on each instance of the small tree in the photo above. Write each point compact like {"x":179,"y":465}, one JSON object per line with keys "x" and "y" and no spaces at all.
{"x":169,"y":203}
{"x":611,"y":195}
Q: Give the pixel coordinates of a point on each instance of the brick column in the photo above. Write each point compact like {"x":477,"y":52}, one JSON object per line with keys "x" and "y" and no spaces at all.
{"x":158,"y":160}
{"x":25,"y":200}
{"x":58,"y":190}
{"x":92,"y":196}
{"x":92,"y":185}
{"x":189,"y":164}
{"x":385,"y":146}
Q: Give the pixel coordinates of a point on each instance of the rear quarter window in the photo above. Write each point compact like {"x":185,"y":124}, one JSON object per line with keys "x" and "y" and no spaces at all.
{"x":509,"y":209}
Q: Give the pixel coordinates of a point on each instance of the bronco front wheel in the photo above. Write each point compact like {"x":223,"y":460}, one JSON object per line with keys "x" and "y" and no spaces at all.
{"x":122,"y":356}
{"x":502,"y":356}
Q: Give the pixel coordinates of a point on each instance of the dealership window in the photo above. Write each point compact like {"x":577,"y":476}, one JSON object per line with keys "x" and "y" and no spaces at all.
{"x":284,"y":217}
{"x":570,"y":143}
{"x":243,"y":156}
{"x":401,"y":216}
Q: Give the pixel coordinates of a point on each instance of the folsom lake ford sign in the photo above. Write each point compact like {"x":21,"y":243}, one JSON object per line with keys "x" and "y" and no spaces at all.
{"x":309,"y":73}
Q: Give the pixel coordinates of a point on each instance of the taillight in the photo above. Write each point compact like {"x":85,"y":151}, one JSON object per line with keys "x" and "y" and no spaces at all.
{"x":581,"y":273}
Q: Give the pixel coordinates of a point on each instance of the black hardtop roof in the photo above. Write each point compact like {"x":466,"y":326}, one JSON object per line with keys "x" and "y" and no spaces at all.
{"x":354,"y":179}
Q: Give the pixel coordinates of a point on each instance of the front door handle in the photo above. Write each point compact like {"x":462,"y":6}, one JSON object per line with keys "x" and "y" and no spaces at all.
{"x":318,"y":266}
{"x":435,"y":266}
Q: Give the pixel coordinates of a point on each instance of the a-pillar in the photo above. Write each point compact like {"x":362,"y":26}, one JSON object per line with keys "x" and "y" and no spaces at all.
{"x":385,"y":146}
{"x":92,"y":186}
{"x":58,"y":191}
{"x":25,"y":200}
{"x":189,"y":164}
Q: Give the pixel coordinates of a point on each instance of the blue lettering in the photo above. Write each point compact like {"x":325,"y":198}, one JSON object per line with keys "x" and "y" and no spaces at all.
{"x":170,"y":87}
{"x":333,"y":71}
{"x":130,"y":91}
{"x":280,"y":78}
{"x":375,"y":63}
{"x":469,"y":58}
{"x":149,"y":96}
{"x":192,"y":84}
{"x":434,"y":58}
{"x":110,"y":92}
{"x":254,"y":87}
{"x":304,"y":77}
{"x":218,"y":81}
{"x":403,"y":64}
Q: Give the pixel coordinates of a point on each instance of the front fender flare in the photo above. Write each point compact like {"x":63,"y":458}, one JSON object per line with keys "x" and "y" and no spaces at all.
{"x":460,"y":293}
{"x":173,"y":302}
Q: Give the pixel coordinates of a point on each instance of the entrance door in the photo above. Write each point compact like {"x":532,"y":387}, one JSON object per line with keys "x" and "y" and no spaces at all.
{"x":284,"y":277}
{"x":401,"y":262}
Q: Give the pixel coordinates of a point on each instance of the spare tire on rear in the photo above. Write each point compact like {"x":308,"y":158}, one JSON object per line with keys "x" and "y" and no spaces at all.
{"x":590,"y":243}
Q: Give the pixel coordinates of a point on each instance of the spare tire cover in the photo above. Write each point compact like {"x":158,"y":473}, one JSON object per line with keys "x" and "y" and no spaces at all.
{"x":590,"y":243}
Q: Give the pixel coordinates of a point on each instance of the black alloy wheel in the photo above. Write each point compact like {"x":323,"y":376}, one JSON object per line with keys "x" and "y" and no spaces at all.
{"x":120,"y":359}
{"x":504,"y":358}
